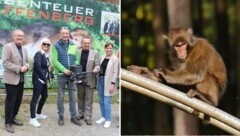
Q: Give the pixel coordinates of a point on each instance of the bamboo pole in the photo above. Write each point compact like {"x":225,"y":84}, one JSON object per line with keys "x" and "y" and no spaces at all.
{"x":182,"y":98}
{"x":178,"y":105}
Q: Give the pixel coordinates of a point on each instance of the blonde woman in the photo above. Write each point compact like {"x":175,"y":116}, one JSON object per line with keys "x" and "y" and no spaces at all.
{"x":40,"y":79}
{"x":106,"y":84}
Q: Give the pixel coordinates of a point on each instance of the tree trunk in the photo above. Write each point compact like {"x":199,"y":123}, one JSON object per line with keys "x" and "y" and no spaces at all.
{"x":197,"y":17}
{"x":227,"y":52}
{"x":222,"y":40}
{"x":162,"y":113}
{"x":179,"y":16}
{"x":179,"y":13}
{"x":238,"y":57}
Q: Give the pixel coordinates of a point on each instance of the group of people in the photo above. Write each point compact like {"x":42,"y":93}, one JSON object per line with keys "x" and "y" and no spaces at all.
{"x":101,"y":74}
{"x":111,"y":27}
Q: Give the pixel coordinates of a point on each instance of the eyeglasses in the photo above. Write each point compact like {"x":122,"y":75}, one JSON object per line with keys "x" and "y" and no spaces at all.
{"x":46,"y":44}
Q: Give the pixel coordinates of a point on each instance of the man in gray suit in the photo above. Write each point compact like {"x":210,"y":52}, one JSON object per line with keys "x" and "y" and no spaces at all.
{"x":15,"y":63}
{"x":90,"y":63}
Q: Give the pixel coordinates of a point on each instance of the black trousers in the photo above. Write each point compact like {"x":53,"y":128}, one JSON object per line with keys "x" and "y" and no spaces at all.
{"x":13,"y":101}
{"x":38,"y":89}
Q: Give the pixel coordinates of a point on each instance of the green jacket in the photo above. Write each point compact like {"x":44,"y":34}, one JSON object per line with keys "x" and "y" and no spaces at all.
{"x":64,"y":56}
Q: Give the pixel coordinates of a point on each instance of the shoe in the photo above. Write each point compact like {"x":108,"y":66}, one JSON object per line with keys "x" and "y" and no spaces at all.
{"x":88,"y":121}
{"x":60,"y":121}
{"x":107,"y":124}
{"x":80,"y":117}
{"x":9,"y":128}
{"x":41,"y":116}
{"x":17,"y":122}
{"x":100,"y":121}
{"x":34,"y":122}
{"x":75,"y":121}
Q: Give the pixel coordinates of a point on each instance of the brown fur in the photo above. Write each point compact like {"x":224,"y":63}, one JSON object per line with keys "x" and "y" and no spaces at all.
{"x":202,"y":72}
{"x":203,"y":68}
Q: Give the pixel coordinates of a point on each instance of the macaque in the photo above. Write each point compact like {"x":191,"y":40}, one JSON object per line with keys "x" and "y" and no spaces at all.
{"x":195,"y":66}
{"x":143,"y":71}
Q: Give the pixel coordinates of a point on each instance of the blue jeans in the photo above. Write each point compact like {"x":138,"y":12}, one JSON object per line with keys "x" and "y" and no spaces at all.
{"x":104,"y":101}
{"x":71,"y":87}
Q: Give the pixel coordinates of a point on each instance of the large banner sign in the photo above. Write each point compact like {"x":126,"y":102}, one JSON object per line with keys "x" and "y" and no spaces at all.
{"x":44,"y":18}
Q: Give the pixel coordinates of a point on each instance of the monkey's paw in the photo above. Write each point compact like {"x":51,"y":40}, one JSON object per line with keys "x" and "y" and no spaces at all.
{"x":158,"y":72}
{"x":191,"y":93}
{"x":137,"y":69}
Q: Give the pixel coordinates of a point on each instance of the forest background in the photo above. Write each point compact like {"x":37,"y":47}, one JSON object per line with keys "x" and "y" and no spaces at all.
{"x":143,"y":23}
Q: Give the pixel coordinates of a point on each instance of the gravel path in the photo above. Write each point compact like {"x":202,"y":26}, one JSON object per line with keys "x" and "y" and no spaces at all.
{"x":51,"y":128}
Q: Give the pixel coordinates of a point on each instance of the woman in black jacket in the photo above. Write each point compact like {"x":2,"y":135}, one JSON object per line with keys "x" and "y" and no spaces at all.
{"x":40,"y":79}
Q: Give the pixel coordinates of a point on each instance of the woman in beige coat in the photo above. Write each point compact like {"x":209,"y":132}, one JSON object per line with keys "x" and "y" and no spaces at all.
{"x":106,"y":84}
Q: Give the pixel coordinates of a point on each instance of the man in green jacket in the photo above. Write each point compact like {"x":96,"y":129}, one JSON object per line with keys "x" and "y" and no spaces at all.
{"x":64,"y":56}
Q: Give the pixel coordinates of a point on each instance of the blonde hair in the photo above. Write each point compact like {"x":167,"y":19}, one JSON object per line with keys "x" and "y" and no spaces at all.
{"x":46,"y":40}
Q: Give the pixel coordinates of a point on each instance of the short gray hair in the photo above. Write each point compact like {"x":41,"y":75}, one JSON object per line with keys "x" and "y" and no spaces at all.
{"x":64,"y":28}
{"x":17,"y":30}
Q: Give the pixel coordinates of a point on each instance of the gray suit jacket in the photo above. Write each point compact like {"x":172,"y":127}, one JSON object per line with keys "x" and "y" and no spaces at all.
{"x":93,"y":63}
{"x":12,"y":63}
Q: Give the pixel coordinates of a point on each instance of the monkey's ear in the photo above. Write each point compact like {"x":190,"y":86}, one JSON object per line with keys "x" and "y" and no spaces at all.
{"x":164,"y":37}
{"x":190,"y":31}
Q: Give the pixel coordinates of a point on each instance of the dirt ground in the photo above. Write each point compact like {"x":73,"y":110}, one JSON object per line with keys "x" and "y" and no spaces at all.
{"x":51,"y":128}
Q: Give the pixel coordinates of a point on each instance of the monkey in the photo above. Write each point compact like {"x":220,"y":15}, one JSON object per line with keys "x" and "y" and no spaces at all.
{"x":195,"y":66}
{"x":144,"y":71}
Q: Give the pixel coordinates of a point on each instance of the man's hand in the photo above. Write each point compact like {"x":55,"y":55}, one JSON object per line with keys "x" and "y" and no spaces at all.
{"x":24,"y":69}
{"x":96,"y":70}
{"x":68,"y":72}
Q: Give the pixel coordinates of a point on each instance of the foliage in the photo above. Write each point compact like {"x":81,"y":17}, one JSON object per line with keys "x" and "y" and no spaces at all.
{"x":12,"y":21}
{"x":137,"y":33}
{"x":138,"y":48}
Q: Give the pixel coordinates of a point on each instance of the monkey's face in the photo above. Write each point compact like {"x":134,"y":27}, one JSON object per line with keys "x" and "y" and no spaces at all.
{"x":181,"y":49}
{"x":180,"y":42}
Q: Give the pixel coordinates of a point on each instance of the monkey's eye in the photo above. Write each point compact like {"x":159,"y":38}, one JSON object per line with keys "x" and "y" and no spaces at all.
{"x":179,"y":44}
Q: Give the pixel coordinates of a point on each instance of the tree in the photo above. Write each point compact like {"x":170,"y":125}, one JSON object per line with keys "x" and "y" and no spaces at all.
{"x":179,"y":16}
{"x":162,"y":123}
{"x":238,"y":54}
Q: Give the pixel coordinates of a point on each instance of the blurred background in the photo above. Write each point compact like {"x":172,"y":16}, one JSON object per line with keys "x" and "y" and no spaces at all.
{"x":143,"y":23}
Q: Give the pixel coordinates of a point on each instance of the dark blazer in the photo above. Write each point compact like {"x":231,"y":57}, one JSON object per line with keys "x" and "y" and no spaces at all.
{"x":116,"y":29}
{"x":40,"y":68}
{"x":106,"y":27}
